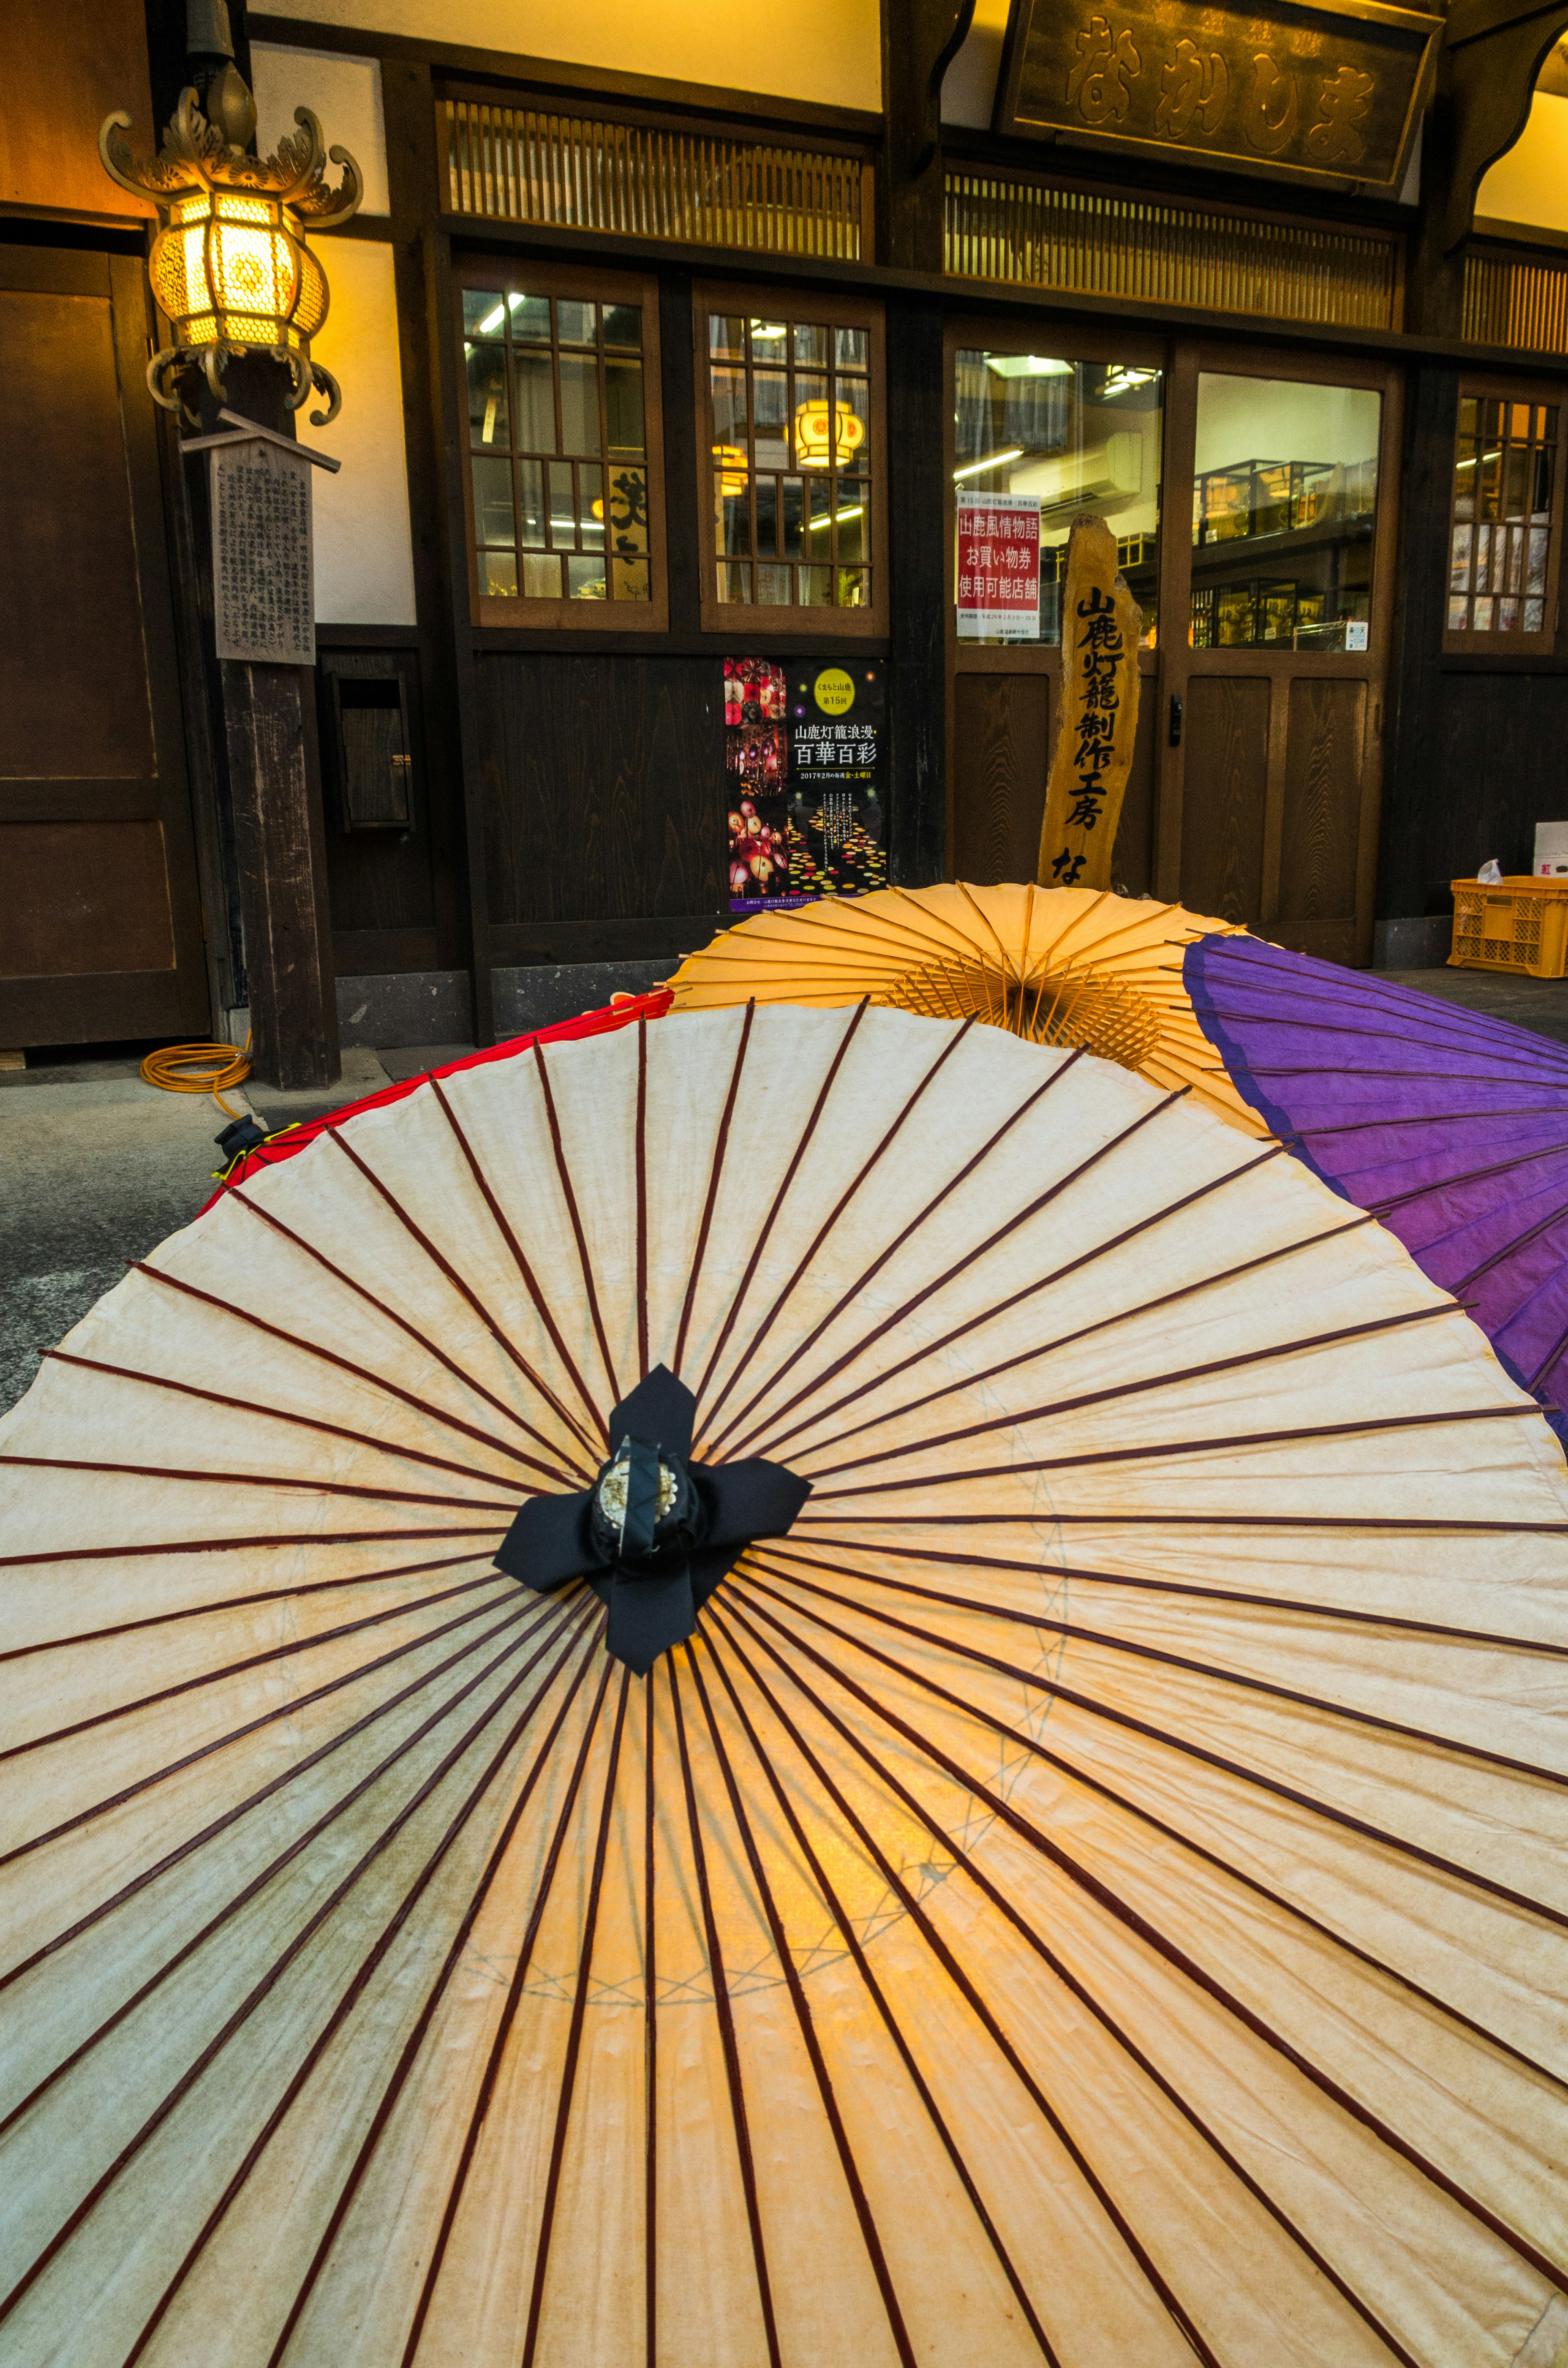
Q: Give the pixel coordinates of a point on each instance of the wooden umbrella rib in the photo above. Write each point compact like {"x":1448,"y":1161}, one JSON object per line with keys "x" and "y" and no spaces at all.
{"x":1424,"y":1120}
{"x":456,"y":1950}
{"x":1145,"y":1384}
{"x":234,"y":1603}
{"x":1094,"y":1888}
{"x":1352,"y":1614}
{"x":764,"y":1325}
{"x":727,"y":2041}
{"x":642,"y":1139}
{"x":260,"y":1990}
{"x":939,"y":1282}
{"x":251,"y":1480}
{"x":1546,"y":1362}
{"x":720,"y":1146}
{"x":504,"y":2029}
{"x":1277,"y":1899}
{"x":1110,"y":1518}
{"x":728,"y":1430}
{"x":575,"y":1214}
{"x":650,"y":2046}
{"x":530,"y":1284}
{"x":274,"y":1867}
{"x":266,"y":1718}
{"x":422,"y":1536}
{"x":808,"y":1132}
{"x":410,"y":1331}
{"x":870,"y":2233}
{"x":1301,"y":1024}
{"x":712,"y":1630}
{"x":1469,"y":1176}
{"x":351,"y":1996}
{"x":1154,"y":1451}
{"x":574,"y":2030}
{"x":464,"y":1290}
{"x":1450,"y":1869}
{"x":359,"y":1373}
{"x":275,"y":1414}
{"x":1510,"y":1250}
{"x":1029,"y":1290}
{"x":968,"y":1990}
{"x":266,"y":1660}
{"x":1134,"y":1650}
{"x":1119,"y":2036}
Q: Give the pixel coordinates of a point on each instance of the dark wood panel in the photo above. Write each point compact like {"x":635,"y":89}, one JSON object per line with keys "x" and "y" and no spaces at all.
{"x":65,"y":70}
{"x":1225,"y":785}
{"x":666,"y":938}
{"x":1133,"y":857}
{"x":1320,"y":840}
{"x":79,"y":801}
{"x":72,"y":669}
{"x":83,"y":897}
{"x":1001,"y":755}
{"x":919,"y":395}
{"x":365,"y":953}
{"x":602,"y":786}
{"x":378,"y":880}
{"x":102,"y":1010}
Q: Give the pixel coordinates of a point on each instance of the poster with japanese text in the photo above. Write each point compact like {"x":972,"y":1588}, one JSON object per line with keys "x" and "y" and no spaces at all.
{"x":998,"y":567}
{"x":803,"y":756}
{"x":838,"y":736}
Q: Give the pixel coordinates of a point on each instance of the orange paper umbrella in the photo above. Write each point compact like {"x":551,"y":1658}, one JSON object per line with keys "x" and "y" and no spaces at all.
{"x":1082,"y":1880}
{"x":1057,"y":965}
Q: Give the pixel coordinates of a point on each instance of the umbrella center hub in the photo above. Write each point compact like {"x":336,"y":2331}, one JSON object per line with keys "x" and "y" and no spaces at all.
{"x":646,"y":1516}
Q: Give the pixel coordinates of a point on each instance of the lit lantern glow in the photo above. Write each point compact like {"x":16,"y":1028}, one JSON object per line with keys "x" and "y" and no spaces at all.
{"x":827,"y":436}
{"x":730,"y":464}
{"x":230,"y":268}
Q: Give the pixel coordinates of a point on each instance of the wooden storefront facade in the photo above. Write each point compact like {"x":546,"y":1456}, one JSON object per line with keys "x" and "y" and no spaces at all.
{"x":1321,"y":747}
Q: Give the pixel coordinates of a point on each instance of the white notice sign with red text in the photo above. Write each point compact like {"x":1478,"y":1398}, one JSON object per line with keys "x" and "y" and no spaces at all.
{"x":998,"y":567}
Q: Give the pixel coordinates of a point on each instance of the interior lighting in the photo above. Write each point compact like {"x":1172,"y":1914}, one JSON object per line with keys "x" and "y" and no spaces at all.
{"x":815,"y":433}
{"x":1028,"y":366}
{"x":996,"y":460}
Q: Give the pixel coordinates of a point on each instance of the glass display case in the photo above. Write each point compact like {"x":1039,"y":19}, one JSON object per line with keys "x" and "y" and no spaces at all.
{"x":1319,"y":506}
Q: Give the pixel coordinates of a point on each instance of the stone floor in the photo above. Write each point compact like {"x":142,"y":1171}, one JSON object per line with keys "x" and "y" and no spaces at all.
{"x":96,"y":1167}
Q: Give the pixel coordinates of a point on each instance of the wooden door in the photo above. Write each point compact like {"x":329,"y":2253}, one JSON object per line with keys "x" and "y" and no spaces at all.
{"x":1276,"y":599}
{"x":1003,"y":701}
{"x":100,"y":923}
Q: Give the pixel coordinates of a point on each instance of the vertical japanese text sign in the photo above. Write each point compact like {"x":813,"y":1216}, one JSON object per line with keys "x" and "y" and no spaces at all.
{"x":262,"y":574}
{"x":1100,"y":625}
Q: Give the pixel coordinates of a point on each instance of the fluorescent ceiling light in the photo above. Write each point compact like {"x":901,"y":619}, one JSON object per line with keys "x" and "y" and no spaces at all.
{"x":997,"y":460}
{"x":858,"y":511}
{"x":493,"y":321}
{"x":1027,"y":366}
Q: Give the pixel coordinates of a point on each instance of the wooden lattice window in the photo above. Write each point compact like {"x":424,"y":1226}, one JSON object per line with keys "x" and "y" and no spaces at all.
{"x":564,"y":475}
{"x":790,"y":418}
{"x":1505,"y":522}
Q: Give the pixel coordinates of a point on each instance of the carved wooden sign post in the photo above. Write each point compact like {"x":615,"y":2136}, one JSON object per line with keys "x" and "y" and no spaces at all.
{"x":1100,"y":625}
{"x":263,"y":563}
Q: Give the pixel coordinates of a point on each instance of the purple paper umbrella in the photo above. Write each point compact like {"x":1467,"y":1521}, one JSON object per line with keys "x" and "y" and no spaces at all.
{"x":1452,"y":1128}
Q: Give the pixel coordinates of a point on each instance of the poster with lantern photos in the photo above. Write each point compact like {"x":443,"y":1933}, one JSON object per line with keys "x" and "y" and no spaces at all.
{"x":803,"y":755}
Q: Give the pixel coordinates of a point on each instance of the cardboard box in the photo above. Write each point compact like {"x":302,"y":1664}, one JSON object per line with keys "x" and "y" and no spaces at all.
{"x":1551,"y":850}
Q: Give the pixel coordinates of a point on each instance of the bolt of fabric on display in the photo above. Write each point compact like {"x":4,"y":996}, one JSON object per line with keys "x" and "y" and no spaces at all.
{"x":1093,"y":757}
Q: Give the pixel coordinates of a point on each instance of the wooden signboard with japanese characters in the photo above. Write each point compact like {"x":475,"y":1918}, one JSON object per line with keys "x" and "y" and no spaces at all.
{"x":1330,"y":94}
{"x":1100,"y":625}
{"x":263,"y":583}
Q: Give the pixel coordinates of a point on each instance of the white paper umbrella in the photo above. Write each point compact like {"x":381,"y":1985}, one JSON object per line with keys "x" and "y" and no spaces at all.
{"x":1091,"y":1891}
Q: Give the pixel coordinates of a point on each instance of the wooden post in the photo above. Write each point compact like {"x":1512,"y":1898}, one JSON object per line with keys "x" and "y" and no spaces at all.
{"x":1100,"y":625}
{"x":269,"y":726}
{"x":920,"y":40}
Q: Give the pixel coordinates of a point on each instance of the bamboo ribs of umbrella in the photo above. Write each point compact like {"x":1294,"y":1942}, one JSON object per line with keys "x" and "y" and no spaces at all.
{"x":1087,"y":1887}
{"x":1069,"y":966}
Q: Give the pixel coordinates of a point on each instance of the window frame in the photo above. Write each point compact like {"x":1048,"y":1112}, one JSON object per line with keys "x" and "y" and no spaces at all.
{"x":1465,"y":642}
{"x":750,"y":620}
{"x":515,"y":275}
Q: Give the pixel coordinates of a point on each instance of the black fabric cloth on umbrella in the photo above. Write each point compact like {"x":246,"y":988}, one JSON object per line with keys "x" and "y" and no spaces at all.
{"x":653,"y":1570}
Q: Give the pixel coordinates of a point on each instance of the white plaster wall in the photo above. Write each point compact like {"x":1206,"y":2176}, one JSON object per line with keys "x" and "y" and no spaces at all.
{"x":364,"y":547}
{"x":825,"y":51}
{"x":1530,"y":183}
{"x":345,"y":94}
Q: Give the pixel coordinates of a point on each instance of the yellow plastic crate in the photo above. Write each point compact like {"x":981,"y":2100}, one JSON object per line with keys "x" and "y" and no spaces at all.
{"x":1518,"y":924}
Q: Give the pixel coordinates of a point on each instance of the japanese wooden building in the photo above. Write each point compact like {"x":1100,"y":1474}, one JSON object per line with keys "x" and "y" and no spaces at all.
{"x":667,"y":336}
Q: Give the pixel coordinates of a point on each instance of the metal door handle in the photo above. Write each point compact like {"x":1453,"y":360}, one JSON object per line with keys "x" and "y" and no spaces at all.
{"x":1176,"y":719}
